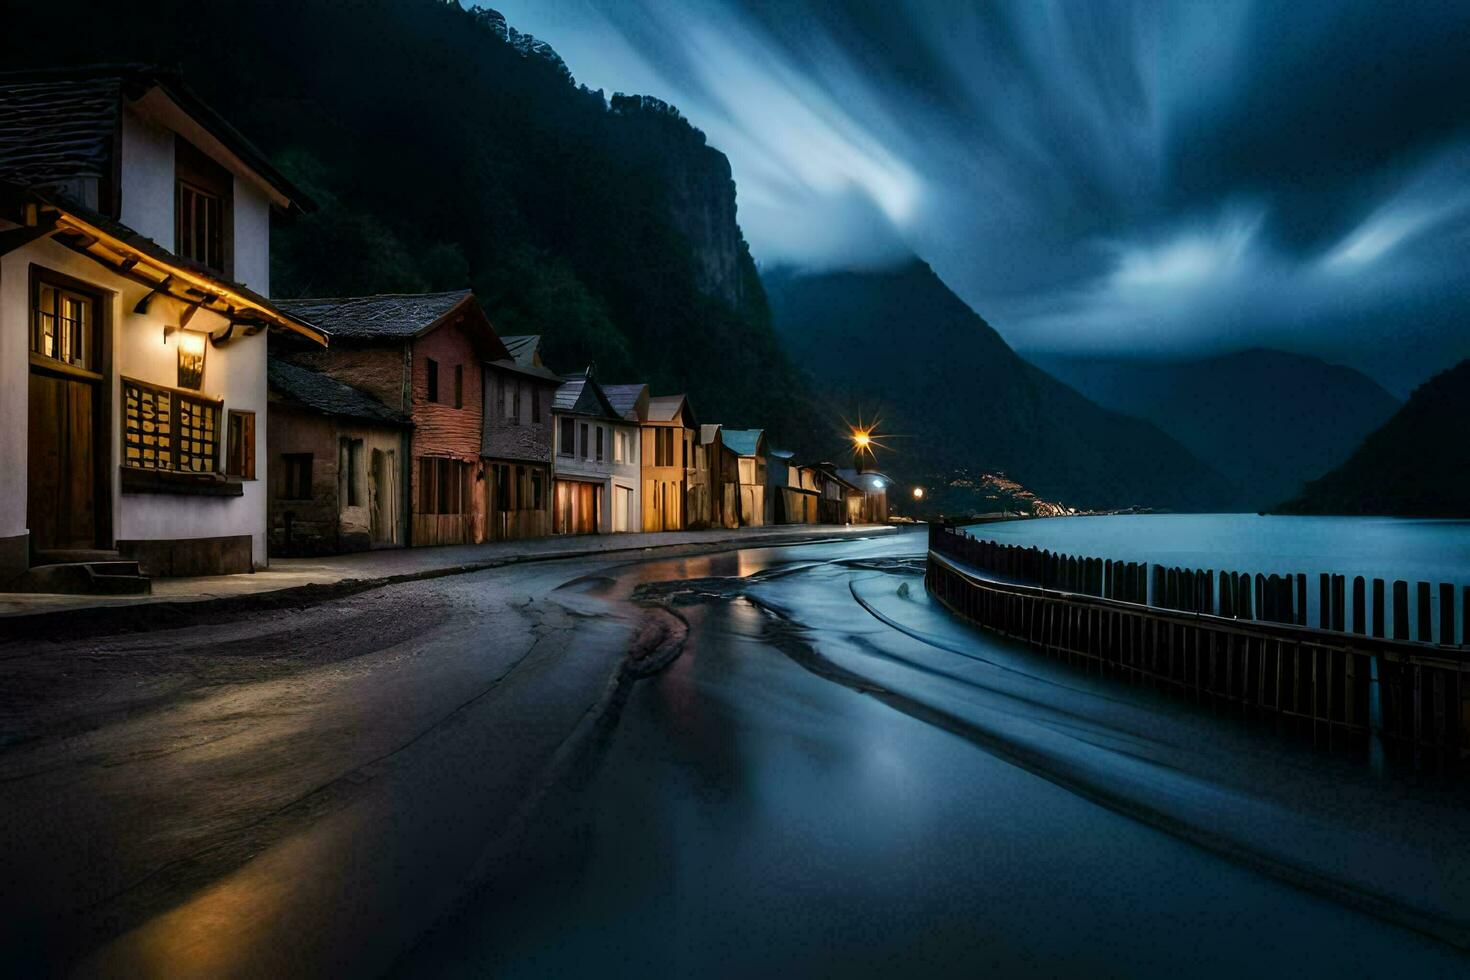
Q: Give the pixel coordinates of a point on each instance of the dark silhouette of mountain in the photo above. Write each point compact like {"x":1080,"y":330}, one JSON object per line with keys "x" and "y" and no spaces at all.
{"x":1268,"y":420}
{"x":447,"y":150}
{"x":1416,"y":465}
{"x":953,"y":396}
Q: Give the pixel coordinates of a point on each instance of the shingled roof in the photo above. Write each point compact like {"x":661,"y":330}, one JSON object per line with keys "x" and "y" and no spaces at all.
{"x":581,"y":395}
{"x":525,"y":358}
{"x":387,"y":315}
{"x":667,"y":408}
{"x":626,"y":398}
{"x":324,"y":393}
{"x":60,"y":125}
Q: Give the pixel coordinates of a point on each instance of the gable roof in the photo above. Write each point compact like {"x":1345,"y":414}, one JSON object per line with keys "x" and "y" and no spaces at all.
{"x":524,"y":349}
{"x":584,"y":396}
{"x":59,"y":125}
{"x":399,"y":316}
{"x":864,"y":480}
{"x":630,"y":401}
{"x":745,"y":442}
{"x":708,"y":432}
{"x":324,"y":393}
{"x":669,"y":408}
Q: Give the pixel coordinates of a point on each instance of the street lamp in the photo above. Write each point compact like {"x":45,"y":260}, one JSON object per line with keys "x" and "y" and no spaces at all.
{"x":918,"y":493}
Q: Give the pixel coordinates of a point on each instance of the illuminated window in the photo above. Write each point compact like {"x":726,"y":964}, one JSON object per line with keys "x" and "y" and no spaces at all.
{"x":64,"y":326}
{"x":169,"y":430}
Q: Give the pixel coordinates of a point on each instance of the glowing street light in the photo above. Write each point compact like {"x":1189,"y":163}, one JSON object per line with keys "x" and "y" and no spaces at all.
{"x":862,"y":439}
{"x":918,"y":493}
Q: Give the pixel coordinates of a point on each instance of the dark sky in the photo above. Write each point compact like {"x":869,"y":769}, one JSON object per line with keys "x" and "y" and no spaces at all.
{"x":1142,"y":179}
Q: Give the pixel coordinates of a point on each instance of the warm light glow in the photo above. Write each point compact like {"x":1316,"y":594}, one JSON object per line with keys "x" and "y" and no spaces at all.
{"x":877,"y":483}
{"x":861,"y":439}
{"x":191,"y":343}
{"x":918,"y":493}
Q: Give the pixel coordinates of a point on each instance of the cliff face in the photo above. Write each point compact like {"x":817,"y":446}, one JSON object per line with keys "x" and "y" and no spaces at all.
{"x":1416,"y":465}
{"x":699,"y":192}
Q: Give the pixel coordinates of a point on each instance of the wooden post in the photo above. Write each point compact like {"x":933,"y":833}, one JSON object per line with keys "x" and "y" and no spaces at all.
{"x":1426,"y":622}
{"x":1378,"y":609}
{"x":1446,"y":614}
{"x":1359,"y":605}
{"x":1337,"y":602}
{"x":1324,"y":600}
{"x":1400,"y":610}
{"x":1301,"y":598}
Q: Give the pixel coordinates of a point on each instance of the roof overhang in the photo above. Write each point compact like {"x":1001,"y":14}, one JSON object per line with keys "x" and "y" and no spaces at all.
{"x":133,"y":257}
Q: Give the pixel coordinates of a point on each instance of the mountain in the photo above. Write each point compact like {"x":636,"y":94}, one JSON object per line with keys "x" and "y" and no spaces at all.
{"x":954,"y":398}
{"x":446,"y":149}
{"x":1416,"y":465}
{"x":1268,"y":420}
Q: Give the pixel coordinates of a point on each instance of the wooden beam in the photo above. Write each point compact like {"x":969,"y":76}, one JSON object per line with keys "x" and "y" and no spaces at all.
{"x":159,"y":289}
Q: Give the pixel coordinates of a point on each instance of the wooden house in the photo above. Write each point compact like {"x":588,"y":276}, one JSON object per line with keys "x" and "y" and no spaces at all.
{"x":595,"y":465}
{"x":717,"y":471}
{"x":793,"y":489}
{"x":518,"y":439}
{"x":874,"y":487}
{"x":749,"y":447}
{"x":134,"y":276}
{"x":839,"y":502}
{"x":423,"y":356}
{"x":339,"y":483}
{"x":670,"y":436}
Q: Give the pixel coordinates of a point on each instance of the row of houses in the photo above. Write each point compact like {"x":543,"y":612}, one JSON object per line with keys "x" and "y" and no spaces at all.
{"x":162,"y":415}
{"x":418,"y":424}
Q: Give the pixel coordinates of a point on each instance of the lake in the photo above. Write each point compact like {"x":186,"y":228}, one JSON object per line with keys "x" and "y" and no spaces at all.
{"x":1381,"y":547}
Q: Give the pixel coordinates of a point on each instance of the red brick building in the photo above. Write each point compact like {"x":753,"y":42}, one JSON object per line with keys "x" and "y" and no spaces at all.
{"x":424,"y":356}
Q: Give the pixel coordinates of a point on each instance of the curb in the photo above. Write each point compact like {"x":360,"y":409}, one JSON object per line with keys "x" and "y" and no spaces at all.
{"x":62,"y":624}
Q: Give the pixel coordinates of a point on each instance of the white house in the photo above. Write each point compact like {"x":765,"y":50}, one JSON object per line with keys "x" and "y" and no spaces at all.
{"x":134,"y":271}
{"x":594,"y":462}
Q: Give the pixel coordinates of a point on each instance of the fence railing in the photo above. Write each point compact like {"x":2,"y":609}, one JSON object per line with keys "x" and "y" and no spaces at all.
{"x":1236,"y":636}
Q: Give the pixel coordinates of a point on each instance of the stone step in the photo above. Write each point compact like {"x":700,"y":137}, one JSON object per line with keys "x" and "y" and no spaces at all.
{"x":72,"y":556}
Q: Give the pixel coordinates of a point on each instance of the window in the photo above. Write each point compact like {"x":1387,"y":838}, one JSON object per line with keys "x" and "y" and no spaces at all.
{"x":202,"y":195}
{"x":567,"y":443}
{"x":663,"y":447}
{"x":538,"y":490}
{"x":535,"y":405}
{"x":582,"y":440}
{"x":240,"y":445}
{"x":502,"y":486}
{"x":515,"y":403}
{"x":199,"y":226}
{"x":459,"y":386}
{"x":296,"y":468}
{"x":443,"y":486}
{"x":599,"y":443}
{"x":165,"y":429}
{"x":500,"y":395}
{"x":65,"y":326}
{"x":431,"y":368}
{"x":351,"y":457}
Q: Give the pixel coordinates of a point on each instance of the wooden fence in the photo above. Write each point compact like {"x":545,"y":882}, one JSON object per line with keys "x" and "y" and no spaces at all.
{"x":1231,"y":636}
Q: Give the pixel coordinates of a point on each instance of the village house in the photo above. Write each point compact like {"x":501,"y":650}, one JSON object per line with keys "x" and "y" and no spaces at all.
{"x":423,"y":356}
{"x":596,"y":462}
{"x":338,"y":483}
{"x":134,"y":271}
{"x":721,"y":477}
{"x":840,"y":502}
{"x":749,"y":447}
{"x":793,"y":489}
{"x":874,"y":488}
{"x":670,"y":436}
{"x":517,"y":446}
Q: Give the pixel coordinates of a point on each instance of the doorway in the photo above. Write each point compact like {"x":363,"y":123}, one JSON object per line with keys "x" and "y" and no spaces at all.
{"x":68,"y":499}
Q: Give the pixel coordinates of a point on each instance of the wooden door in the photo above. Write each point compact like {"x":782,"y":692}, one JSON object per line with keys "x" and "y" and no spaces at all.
{"x":61,"y":497}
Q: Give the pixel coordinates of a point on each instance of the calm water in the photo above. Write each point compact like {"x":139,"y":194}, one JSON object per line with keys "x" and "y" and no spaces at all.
{"x":838,"y":778}
{"x":1381,"y":547}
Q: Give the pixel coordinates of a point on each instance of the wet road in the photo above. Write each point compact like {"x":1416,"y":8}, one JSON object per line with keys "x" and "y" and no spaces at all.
{"x":834,"y":778}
